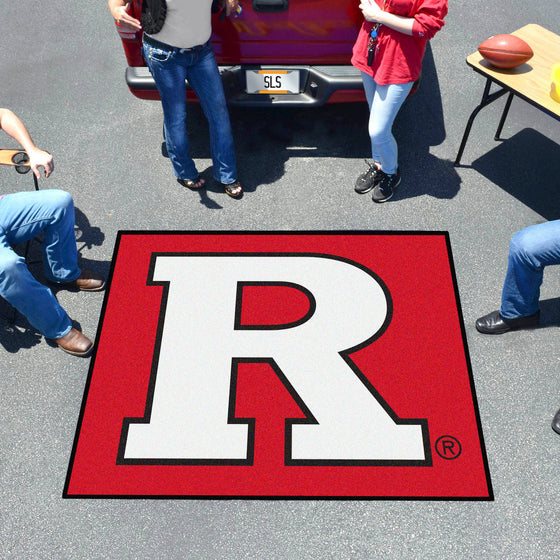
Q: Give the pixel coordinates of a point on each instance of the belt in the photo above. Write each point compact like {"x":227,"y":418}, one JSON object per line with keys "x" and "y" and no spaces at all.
{"x":160,"y":45}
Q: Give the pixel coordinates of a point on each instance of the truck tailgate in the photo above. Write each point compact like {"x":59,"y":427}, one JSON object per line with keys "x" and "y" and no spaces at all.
{"x":288,"y":32}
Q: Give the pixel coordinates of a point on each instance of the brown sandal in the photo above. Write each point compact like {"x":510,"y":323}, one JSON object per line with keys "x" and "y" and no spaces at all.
{"x":235,"y":190}
{"x":193,"y":184}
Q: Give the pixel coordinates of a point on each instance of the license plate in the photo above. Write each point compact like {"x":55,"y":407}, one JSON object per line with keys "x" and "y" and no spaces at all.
{"x":273,"y":81}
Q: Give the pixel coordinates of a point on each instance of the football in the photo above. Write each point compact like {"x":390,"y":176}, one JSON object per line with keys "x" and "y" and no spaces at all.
{"x":505,"y":51}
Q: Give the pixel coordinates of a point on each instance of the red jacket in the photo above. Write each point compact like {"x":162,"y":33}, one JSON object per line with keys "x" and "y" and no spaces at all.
{"x":398,"y":57}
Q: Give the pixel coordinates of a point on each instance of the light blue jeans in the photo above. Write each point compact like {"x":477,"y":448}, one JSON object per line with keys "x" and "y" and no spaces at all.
{"x":531,"y":249}
{"x":25,"y":215}
{"x":384,"y":104}
{"x":170,"y":67}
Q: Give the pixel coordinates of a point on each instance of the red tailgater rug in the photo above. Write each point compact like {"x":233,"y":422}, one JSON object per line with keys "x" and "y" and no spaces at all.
{"x":280,"y":365}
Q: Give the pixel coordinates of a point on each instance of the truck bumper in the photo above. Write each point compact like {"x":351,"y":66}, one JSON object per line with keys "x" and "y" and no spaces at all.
{"x":318,"y":85}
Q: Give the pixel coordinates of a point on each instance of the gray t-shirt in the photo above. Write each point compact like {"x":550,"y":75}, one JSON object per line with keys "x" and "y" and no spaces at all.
{"x":187,"y":23}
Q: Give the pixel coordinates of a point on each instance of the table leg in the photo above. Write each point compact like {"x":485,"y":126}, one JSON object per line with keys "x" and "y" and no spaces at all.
{"x":504,"y":116}
{"x":487,"y":98}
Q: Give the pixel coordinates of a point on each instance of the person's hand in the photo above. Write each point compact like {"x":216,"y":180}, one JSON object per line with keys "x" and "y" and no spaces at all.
{"x":230,"y":6}
{"x":124,"y":19}
{"x":39,"y":158}
{"x":371,"y":11}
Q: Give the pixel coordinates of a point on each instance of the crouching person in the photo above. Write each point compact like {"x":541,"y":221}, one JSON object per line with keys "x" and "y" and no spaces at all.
{"x":23,"y":216}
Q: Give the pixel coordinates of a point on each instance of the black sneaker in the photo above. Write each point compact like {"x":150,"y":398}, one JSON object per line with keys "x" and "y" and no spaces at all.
{"x":366,"y":181}
{"x":386,"y":186}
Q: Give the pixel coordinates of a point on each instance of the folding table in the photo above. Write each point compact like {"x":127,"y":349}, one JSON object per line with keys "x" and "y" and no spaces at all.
{"x":531,"y":81}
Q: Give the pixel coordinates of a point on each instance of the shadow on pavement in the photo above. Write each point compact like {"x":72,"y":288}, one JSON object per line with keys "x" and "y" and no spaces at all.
{"x":265,"y":138}
{"x":87,"y":234}
{"x":550,"y":312}
{"x":420,"y":125}
{"x":15,"y":337}
{"x":527,"y":166}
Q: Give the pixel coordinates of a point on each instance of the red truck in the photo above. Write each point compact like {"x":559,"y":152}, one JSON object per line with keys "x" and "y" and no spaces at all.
{"x":277,"y":52}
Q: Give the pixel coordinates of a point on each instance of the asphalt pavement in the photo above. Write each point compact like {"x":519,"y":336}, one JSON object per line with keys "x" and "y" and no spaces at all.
{"x":62,"y":71}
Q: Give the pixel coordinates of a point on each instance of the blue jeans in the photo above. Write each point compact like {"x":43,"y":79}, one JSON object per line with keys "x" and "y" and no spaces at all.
{"x":531,"y":249}
{"x":384,"y":104}
{"x":25,"y":215}
{"x":170,"y":68}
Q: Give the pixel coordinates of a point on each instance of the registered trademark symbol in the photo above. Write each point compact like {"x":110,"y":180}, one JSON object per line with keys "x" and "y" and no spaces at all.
{"x":448,"y":447}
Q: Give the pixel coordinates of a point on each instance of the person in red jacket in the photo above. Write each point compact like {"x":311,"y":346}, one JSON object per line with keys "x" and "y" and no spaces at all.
{"x":389,"y":51}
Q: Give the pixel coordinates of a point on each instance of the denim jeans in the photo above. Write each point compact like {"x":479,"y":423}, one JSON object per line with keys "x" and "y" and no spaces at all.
{"x":531,"y":249}
{"x":25,"y":215}
{"x":170,"y":68}
{"x":384,"y":104}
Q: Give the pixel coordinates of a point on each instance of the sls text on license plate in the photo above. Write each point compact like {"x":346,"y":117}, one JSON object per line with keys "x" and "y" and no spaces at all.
{"x":272,"y":81}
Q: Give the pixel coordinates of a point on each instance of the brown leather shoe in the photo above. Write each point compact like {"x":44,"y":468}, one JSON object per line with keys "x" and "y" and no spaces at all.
{"x":88,"y":281}
{"x":75,"y":343}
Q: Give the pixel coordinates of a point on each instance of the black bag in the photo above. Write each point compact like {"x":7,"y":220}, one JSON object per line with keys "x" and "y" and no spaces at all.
{"x":153,"y":15}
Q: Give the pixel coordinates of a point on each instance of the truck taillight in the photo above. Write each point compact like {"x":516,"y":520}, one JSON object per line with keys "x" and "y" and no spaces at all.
{"x":125,"y":34}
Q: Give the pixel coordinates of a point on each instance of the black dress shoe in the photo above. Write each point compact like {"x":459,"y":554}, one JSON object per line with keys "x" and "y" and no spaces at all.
{"x":494,"y":323}
{"x":556,"y":422}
